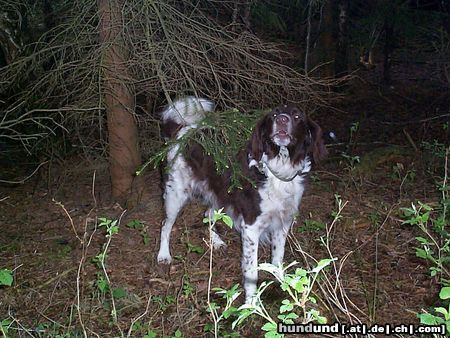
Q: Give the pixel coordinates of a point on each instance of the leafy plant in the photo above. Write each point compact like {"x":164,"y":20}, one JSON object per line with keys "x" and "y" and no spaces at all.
{"x":219,"y":215}
{"x":177,"y":334}
{"x":195,"y":248}
{"x":351,"y":161}
{"x":141,"y":227}
{"x":6,"y":277}
{"x":311,"y":225}
{"x":434,"y":224}
{"x":441,"y":315}
{"x":5,"y":325}
{"x":228,"y":310}
{"x":216,"y":216}
{"x":298,"y":304}
{"x":188,"y":288}
{"x":435,"y":244}
{"x":163,"y":303}
{"x":103,"y":283}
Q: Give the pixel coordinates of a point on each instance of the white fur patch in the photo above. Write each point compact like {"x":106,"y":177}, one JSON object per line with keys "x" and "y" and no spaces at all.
{"x":187,"y":110}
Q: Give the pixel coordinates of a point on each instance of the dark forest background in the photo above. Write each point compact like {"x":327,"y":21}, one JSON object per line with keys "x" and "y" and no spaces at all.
{"x":69,"y":67}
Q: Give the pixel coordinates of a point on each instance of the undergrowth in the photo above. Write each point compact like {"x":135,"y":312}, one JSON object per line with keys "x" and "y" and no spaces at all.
{"x":433,"y":222}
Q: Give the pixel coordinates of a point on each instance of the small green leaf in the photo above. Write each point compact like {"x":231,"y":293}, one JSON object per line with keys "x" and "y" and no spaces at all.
{"x":135,"y":224}
{"x":269,"y":327}
{"x":195,"y":248}
{"x":445,"y":293}
{"x":119,"y":293}
{"x":136,"y":326}
{"x":150,"y":334}
{"x":209,"y":327}
{"x":6,"y":277}
{"x":422,"y":240}
{"x":323,"y":263}
{"x":227,"y":220}
{"x":286,"y":306}
{"x":229,"y":312}
{"x":427,"y":319}
{"x":421,"y":253}
{"x":272,"y":334}
{"x":213,"y":307}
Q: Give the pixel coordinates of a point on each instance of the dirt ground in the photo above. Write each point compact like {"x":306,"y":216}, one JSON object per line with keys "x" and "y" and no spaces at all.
{"x":49,"y":235}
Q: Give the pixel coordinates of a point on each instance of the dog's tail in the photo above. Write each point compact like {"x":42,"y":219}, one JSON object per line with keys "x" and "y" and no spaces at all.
{"x":187,"y":111}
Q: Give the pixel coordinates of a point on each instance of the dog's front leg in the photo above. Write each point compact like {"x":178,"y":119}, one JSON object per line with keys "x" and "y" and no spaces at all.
{"x":278,"y":241}
{"x":250,"y":239}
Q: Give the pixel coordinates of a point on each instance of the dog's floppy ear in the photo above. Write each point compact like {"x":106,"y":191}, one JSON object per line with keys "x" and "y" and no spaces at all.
{"x":317,"y":146}
{"x":256,"y":144}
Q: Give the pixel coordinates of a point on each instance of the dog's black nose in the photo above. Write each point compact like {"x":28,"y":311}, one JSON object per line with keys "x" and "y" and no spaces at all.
{"x":282,"y":119}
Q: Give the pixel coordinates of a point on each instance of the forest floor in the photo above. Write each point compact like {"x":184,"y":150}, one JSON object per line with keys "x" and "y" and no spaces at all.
{"x":49,"y":235}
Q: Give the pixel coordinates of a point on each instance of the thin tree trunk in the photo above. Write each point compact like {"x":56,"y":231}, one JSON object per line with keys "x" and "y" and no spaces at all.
{"x":308,"y":37}
{"x":341,"y":60}
{"x":327,"y":40}
{"x":246,"y":16}
{"x":119,"y":101}
{"x":387,"y":51}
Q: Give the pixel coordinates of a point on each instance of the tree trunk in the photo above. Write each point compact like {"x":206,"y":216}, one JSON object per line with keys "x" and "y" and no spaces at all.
{"x":119,"y":102}
{"x":341,"y":60}
{"x":326,"y":40}
{"x":387,"y":50}
{"x":246,"y":16}
{"x":308,"y":37}
{"x":389,"y":39}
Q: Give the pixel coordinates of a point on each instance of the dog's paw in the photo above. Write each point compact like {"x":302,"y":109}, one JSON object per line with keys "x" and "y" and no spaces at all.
{"x":164,"y":258}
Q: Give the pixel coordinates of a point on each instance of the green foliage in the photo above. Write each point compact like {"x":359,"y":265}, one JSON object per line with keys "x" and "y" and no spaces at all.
{"x":188,"y":288}
{"x":6,"y":277}
{"x":434,"y":224}
{"x":195,"y":248}
{"x":150,"y":334}
{"x":399,"y":173}
{"x":5,"y":325}
{"x":112,"y":227}
{"x":221,"y":135}
{"x":217,"y":216}
{"x":435,"y":148}
{"x":440,"y":315}
{"x":435,"y":244}
{"x":177,"y":334}
{"x":140,"y":330}
{"x":163,"y":303}
{"x":141,"y":227}
{"x":228,"y":310}
{"x":118,"y":293}
{"x":311,"y":225}
{"x":298,"y":304}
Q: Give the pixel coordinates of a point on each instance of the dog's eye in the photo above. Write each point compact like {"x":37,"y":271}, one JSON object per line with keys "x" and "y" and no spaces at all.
{"x":296,"y":116}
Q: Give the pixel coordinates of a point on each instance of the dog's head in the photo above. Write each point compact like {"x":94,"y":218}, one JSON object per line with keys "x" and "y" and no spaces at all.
{"x":287,"y":126}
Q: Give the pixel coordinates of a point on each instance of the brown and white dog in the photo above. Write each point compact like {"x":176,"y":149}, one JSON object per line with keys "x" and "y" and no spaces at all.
{"x":283,"y":146}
